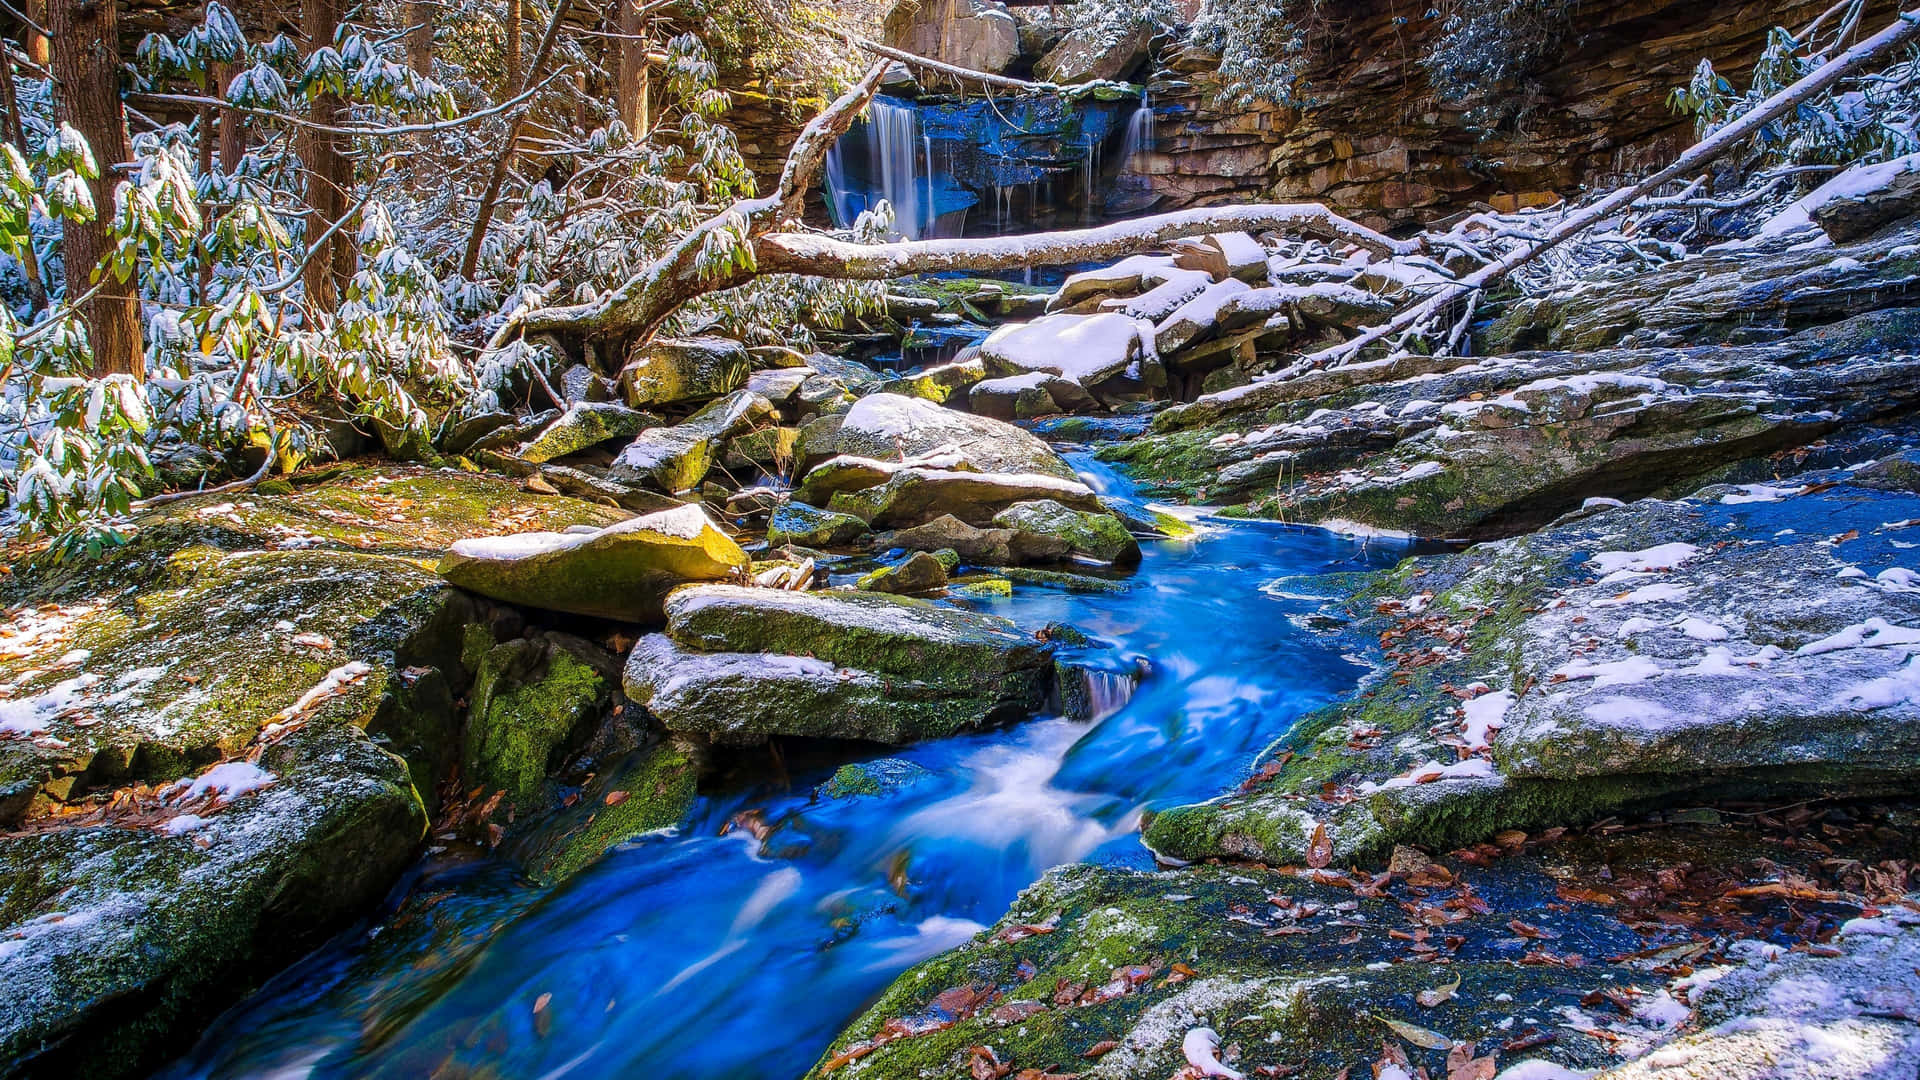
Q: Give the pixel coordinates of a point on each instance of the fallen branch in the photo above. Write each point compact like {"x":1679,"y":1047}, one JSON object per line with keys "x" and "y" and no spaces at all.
{"x":1700,"y":155}
{"x":951,"y":70}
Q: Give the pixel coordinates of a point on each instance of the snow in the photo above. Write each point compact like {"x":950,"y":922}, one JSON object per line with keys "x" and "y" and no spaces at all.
{"x":1542,"y":1069}
{"x":1758,"y":493}
{"x":1853,"y":183}
{"x":1588,"y":384}
{"x":1635,"y":625}
{"x":1611,"y":673}
{"x":1077,"y":347}
{"x":1484,"y":715}
{"x":1204,"y":307}
{"x":1420,"y":472}
{"x":1702,"y":630}
{"x":1631,"y":712}
{"x":1899,"y":688}
{"x":1898,"y":579}
{"x":1646,"y":594}
{"x":182,"y":825}
{"x":230,"y":780}
{"x":31,"y":716}
{"x":1428,"y":772}
{"x":1875,"y":633}
{"x":516,"y":547}
{"x":1600,"y":501}
{"x":1648,"y":560}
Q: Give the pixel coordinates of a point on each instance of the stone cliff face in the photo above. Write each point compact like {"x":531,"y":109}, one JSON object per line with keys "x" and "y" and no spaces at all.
{"x":1376,"y":141}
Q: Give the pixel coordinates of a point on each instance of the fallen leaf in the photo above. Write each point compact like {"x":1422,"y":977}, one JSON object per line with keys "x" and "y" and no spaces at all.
{"x":1462,"y":1065}
{"x":1320,"y":848}
{"x":615,"y":798}
{"x":1101,"y":1049}
{"x":1429,"y":998}
{"x":1425,"y":1038}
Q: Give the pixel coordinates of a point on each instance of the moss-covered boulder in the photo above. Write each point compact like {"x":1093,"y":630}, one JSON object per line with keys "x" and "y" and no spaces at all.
{"x":677,"y":458}
{"x":1098,"y":536}
{"x":675,"y":371}
{"x":533,"y":701}
{"x":648,"y":789}
{"x":739,"y":664}
{"x":919,"y":573}
{"x":622,"y":571}
{"x":582,"y":426}
{"x":798,"y":523}
{"x":980,"y":547}
{"x":937,"y":384}
{"x":291,"y":655}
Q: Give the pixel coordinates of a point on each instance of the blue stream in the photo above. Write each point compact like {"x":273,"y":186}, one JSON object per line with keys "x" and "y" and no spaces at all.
{"x":689,"y":953}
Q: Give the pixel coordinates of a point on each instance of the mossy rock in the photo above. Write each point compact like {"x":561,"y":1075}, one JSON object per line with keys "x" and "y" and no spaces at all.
{"x":919,"y":573}
{"x":674,"y":371}
{"x":649,"y":789}
{"x":1096,"y":535}
{"x":534,"y":700}
{"x":799,"y":523}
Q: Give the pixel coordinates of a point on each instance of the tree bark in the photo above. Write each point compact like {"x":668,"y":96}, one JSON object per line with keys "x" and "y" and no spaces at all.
{"x":510,"y":24}
{"x":329,"y":174}
{"x":233,"y":133}
{"x":16,"y":134}
{"x":483,"y":215}
{"x":630,"y":84}
{"x":86,"y":64}
{"x":37,"y":47}
{"x":420,"y":37}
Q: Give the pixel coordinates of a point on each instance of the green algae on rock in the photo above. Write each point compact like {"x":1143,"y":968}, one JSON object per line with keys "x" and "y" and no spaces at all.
{"x":623,"y":571}
{"x":533,"y":700}
{"x":1098,"y":536}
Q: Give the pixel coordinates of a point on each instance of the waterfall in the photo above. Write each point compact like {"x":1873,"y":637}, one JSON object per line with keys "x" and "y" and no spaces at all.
{"x":839,"y":194}
{"x":1139,"y":137}
{"x":893,"y":139}
{"x":1088,"y":693}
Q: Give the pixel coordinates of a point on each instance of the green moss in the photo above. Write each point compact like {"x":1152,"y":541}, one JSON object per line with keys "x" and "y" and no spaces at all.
{"x":532,"y":701}
{"x":652,"y":789}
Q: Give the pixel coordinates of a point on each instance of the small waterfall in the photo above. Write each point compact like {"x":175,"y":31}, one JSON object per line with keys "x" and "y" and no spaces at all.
{"x":839,"y":195}
{"x":1095,"y":693}
{"x":1139,"y":138}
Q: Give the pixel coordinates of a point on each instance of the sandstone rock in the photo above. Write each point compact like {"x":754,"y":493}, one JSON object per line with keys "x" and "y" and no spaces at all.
{"x":1093,"y":55}
{"x":975,"y":34}
{"x":1097,"y":535}
{"x":622,"y":571}
{"x":739,"y":664}
{"x":1091,"y":350}
{"x":1028,"y":397}
{"x":1864,"y":198}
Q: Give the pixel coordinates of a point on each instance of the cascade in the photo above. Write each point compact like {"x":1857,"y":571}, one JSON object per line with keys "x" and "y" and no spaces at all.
{"x":1138,"y":141}
{"x":894,"y":143}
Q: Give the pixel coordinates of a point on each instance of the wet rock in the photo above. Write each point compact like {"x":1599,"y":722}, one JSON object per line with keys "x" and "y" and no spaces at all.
{"x":622,"y":571}
{"x":779,"y":385}
{"x":1629,"y":656}
{"x":980,"y":547}
{"x":1870,"y":197}
{"x":808,"y":526}
{"x":920,"y":573}
{"x":299,"y":628}
{"x":583,"y":426}
{"x":462,"y":434}
{"x":881,"y":776}
{"x":674,"y":371}
{"x":739,"y":664}
{"x":1029,"y":396}
{"x":1095,"y":535}
{"x":652,"y":788}
{"x":677,"y":458}
{"x":888,"y":427}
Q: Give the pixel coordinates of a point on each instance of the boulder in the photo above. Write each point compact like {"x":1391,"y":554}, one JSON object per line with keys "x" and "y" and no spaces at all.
{"x":1223,"y":256}
{"x":677,"y":458}
{"x":621,"y":572}
{"x":675,"y":371}
{"x":1861,"y":200}
{"x":1097,"y":535}
{"x":1029,"y":396}
{"x":888,"y":427}
{"x":915,"y":496}
{"x":582,"y":426}
{"x":1198,"y":318}
{"x":937,"y":384}
{"x":920,"y":573}
{"x":980,"y":547}
{"x":739,"y":664}
{"x":1094,"y":54}
{"x":808,"y":526}
{"x":292,"y":660}
{"x":1089,"y":349}
{"x":978,"y":35}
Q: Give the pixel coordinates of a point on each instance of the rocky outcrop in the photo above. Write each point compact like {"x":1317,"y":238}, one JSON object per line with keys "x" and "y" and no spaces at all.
{"x":738,"y":664}
{"x":1623,"y":656}
{"x":216,"y":744}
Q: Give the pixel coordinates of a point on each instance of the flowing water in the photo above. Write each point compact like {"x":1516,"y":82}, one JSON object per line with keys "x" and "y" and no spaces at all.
{"x":702,"y":952}
{"x":900,"y":164}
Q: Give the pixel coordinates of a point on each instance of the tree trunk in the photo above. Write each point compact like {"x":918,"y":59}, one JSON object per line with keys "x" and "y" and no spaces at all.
{"x":37,"y":49}
{"x":483,"y":215}
{"x":511,"y":26}
{"x":86,"y":65}
{"x":16,"y":134}
{"x":233,"y":128}
{"x":420,"y":37}
{"x":328,"y":175}
{"x":630,"y":86}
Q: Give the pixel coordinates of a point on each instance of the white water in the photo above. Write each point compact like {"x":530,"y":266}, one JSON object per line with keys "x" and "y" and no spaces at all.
{"x":1138,"y":142}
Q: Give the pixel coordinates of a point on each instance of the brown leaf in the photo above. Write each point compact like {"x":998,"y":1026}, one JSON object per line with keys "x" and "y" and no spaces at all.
{"x":1430,"y":998}
{"x":1101,"y":1049}
{"x":1425,"y":1038}
{"x":1462,"y":1065}
{"x":615,"y":798}
{"x":1320,"y":848}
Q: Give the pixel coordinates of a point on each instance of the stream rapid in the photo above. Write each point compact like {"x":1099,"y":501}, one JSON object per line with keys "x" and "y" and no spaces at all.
{"x":715,"y":952}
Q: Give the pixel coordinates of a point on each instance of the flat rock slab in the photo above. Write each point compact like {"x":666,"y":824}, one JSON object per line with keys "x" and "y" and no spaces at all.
{"x":888,"y":427}
{"x":1752,"y":641}
{"x":915,"y":496}
{"x":622,"y":572}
